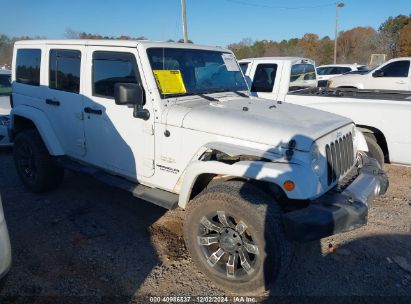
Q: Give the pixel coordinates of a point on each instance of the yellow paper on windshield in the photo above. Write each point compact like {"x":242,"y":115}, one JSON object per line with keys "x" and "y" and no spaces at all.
{"x":170,"y":81}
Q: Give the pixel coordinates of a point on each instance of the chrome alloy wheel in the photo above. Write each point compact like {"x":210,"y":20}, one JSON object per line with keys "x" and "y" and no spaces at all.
{"x":227,"y":245}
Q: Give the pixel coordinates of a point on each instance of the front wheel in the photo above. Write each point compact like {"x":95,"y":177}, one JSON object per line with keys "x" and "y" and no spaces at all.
{"x":235,"y":236}
{"x":35,"y":166}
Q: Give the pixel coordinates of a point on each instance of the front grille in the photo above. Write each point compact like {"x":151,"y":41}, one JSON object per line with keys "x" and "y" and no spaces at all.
{"x":340,"y":157}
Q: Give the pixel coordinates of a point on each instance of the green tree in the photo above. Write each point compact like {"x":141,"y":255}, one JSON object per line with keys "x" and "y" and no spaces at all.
{"x":390,"y":32}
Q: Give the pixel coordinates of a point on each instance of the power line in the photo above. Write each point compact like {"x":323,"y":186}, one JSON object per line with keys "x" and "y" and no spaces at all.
{"x":281,"y":7}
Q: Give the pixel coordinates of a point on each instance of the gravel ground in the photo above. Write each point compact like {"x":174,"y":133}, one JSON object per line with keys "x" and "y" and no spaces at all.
{"x":86,"y":239}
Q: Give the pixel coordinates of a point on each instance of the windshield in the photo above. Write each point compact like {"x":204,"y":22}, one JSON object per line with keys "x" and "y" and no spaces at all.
{"x":189,"y":71}
{"x":5,"y":84}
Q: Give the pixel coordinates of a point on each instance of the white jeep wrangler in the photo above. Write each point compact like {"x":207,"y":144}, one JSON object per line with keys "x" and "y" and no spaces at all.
{"x":174,"y":124}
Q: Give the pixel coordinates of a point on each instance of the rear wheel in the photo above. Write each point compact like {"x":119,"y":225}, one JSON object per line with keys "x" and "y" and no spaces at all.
{"x":235,"y":236}
{"x":374,"y":150}
{"x":35,"y":166}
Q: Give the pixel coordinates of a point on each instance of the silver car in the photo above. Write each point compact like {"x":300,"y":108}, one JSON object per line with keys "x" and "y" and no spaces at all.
{"x":5,"y":248}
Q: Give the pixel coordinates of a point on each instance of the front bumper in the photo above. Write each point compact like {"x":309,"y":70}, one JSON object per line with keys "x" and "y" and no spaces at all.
{"x":337,"y":212}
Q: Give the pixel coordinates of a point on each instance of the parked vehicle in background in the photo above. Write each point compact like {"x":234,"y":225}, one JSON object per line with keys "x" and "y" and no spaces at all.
{"x":173,"y":123}
{"x":395,"y":74}
{"x":5,"y":248}
{"x":5,"y":91}
{"x":279,"y":75}
{"x":383,"y":116}
{"x":326,"y":72}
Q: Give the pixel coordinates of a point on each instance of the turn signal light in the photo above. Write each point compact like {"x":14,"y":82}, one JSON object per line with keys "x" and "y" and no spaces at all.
{"x":289,"y":185}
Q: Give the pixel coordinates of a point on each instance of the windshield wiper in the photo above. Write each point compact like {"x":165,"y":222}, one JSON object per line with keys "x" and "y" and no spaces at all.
{"x":190,"y":94}
{"x":178,"y":94}
{"x":226,"y":90}
{"x":202,"y":94}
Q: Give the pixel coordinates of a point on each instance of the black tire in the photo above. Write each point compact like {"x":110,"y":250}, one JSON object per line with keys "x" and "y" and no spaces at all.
{"x":374,"y":150}
{"x":241,"y":203}
{"x":35,"y":166}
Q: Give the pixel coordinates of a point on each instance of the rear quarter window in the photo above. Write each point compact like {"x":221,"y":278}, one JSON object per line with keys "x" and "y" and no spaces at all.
{"x":28,"y":66}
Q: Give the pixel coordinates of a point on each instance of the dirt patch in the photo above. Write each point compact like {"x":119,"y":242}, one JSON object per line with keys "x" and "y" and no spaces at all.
{"x":167,"y":237}
{"x":87,"y":239}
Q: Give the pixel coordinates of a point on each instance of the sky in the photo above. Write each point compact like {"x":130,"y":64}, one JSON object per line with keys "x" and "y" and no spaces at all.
{"x":210,"y":22}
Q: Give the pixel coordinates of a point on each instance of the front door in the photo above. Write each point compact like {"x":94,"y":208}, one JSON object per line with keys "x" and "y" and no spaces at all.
{"x":395,"y":77}
{"x":64,"y":98}
{"x":115,"y":139}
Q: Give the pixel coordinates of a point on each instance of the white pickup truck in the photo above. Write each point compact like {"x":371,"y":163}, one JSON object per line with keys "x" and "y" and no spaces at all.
{"x":383,"y":116}
{"x":395,"y":74}
{"x":174,"y":124}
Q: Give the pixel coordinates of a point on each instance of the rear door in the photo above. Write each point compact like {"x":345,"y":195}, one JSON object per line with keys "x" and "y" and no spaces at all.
{"x":64,"y":98}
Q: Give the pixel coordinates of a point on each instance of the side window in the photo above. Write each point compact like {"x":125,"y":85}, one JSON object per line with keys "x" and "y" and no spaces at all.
{"x":64,"y":70}
{"x":396,"y":69}
{"x":334,"y":71}
{"x":244,"y":66}
{"x":28,"y":66}
{"x":110,"y":68}
{"x":343,"y":70}
{"x":264,"y":78}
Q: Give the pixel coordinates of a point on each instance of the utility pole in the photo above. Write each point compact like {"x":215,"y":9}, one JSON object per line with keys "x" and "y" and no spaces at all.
{"x":339,"y":5}
{"x":183,"y":13}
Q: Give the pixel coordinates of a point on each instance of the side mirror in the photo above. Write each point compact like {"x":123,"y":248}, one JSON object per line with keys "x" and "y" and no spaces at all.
{"x":128,"y":94}
{"x":378,"y":73}
{"x":131,"y":94}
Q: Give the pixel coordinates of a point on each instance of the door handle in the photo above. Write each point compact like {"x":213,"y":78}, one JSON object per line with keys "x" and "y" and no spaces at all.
{"x":89,"y":110}
{"x":400,"y":82}
{"x":52,"y":102}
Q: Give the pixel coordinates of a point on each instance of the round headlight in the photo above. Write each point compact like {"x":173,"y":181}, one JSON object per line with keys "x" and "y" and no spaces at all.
{"x":315,"y":160}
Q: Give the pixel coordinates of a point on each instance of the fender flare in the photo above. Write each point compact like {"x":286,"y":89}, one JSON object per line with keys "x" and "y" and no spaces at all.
{"x":361,"y":142}
{"x":43,"y":126}
{"x":277,"y":173}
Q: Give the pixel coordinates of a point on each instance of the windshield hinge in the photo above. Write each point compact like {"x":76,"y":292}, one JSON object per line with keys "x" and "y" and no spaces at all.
{"x":80,"y":115}
{"x":149,"y":129}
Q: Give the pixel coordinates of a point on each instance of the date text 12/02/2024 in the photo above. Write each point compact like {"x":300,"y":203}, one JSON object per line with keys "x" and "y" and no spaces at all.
{"x":203,"y":299}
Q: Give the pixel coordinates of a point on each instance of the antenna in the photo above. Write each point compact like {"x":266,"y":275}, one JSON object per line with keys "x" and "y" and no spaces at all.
{"x":183,"y":13}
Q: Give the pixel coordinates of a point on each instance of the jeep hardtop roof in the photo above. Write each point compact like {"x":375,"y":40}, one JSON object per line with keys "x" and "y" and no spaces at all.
{"x":276,"y":59}
{"x":119,"y":43}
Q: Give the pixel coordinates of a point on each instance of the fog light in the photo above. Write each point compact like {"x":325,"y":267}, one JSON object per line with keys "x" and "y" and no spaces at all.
{"x":289,"y":185}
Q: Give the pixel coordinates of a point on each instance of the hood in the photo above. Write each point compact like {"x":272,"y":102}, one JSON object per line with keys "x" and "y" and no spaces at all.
{"x":257,"y":120}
